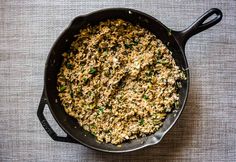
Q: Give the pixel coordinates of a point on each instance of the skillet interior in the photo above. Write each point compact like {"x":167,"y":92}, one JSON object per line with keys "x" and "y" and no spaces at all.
{"x":69,"y":124}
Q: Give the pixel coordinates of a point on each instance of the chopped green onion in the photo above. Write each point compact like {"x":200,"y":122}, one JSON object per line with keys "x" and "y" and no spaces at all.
{"x":141,"y":122}
{"x":92,"y":126}
{"x":93,"y":133}
{"x":92,"y":71}
{"x":135,"y":42}
{"x":101,"y":109}
{"x":85,"y":80}
{"x":176,"y":104}
{"x":69,"y":66}
{"x":145,"y":97}
{"x":62,"y":88}
{"x":128,"y":46}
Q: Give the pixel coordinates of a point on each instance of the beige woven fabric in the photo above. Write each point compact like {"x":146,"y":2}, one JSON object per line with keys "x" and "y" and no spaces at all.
{"x":206,"y":131}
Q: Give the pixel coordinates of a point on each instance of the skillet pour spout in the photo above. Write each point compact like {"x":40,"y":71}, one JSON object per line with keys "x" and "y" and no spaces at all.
{"x":175,"y":41}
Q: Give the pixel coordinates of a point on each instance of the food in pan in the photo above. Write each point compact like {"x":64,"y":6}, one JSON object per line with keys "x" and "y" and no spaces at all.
{"x":119,"y":81}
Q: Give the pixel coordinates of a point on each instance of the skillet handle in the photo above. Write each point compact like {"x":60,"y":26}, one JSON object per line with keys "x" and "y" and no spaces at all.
{"x":199,"y":25}
{"x":46,"y":125}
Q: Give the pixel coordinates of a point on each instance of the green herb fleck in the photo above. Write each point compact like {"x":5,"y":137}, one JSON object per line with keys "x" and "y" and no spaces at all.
{"x":92,"y":71}
{"x":128,"y":46}
{"x":141,"y":122}
{"x":176,"y":104}
{"x":85,"y":80}
{"x":69,"y":66}
{"x":145,"y":97}
{"x":93,"y":133}
{"x":101,"y":110}
{"x":135,"y":42}
{"x":92,"y":126}
{"x":62,"y":88}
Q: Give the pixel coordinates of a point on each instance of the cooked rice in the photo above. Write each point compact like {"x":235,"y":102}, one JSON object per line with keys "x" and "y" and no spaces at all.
{"x":119,"y":81}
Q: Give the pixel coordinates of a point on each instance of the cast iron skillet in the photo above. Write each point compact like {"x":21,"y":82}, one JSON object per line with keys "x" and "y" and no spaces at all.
{"x":175,"y":40}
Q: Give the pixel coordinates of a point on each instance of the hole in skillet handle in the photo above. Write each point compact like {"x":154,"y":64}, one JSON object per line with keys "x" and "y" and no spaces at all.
{"x":46,"y":125}
{"x":199,"y":25}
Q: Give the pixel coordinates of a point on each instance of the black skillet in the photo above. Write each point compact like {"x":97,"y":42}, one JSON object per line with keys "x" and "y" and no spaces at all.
{"x":175,"y":40}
